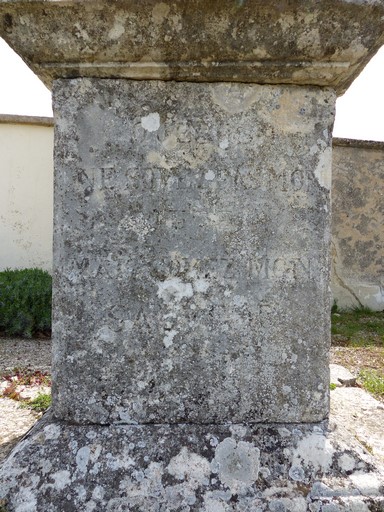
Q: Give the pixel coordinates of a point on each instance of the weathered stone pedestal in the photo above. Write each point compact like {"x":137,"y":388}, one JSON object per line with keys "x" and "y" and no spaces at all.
{"x":191,"y":282}
{"x":191,"y":252}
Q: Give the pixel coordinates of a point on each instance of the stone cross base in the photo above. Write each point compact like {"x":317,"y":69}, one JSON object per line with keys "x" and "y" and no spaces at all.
{"x":191,"y":291}
{"x":211,"y":468}
{"x":191,"y":255}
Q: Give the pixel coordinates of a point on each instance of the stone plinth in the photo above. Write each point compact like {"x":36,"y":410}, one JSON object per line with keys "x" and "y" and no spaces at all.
{"x":191,"y":299}
{"x":191,"y":250}
{"x":174,"y":468}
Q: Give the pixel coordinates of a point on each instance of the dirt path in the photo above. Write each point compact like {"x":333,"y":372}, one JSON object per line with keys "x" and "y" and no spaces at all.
{"x":355,"y":359}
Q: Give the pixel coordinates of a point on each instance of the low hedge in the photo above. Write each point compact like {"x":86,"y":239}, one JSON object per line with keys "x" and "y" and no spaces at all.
{"x":25,"y":302}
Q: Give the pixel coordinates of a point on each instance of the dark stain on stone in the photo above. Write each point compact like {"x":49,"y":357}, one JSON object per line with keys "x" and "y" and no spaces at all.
{"x":7,"y":23}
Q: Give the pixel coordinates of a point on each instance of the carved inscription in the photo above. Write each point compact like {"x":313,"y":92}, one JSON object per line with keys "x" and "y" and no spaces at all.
{"x":204,"y":203}
{"x":288,"y":267}
{"x":111,"y":178}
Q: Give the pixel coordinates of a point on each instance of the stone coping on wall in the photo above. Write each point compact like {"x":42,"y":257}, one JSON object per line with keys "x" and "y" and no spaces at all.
{"x":34,"y":120}
{"x":356,"y":143}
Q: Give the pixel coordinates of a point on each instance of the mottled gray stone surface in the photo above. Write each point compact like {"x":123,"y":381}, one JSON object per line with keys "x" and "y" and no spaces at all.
{"x":191,"y":252}
{"x":187,"y":468}
{"x":357,"y":224}
{"x":311,"y":42}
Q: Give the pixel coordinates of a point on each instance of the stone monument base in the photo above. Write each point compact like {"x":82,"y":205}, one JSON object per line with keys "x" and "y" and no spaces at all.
{"x":148,"y":468}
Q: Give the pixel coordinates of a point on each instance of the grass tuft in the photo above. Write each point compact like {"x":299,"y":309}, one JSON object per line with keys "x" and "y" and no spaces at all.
{"x":38,"y":404}
{"x":357,"y":327}
{"x":373,"y":382}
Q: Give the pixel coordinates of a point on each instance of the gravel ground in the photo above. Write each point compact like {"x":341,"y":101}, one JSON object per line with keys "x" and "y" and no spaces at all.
{"x":15,"y":423}
{"x":352,"y":409}
{"x":21,"y":353}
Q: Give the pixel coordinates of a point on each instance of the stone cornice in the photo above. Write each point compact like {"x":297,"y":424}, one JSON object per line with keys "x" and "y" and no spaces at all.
{"x":311,"y":42}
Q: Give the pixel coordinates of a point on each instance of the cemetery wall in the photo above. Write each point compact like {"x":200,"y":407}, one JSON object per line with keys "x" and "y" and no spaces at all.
{"x":357,"y":248}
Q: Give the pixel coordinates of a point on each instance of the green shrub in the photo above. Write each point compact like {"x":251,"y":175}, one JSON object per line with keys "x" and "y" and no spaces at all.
{"x":25,"y":302}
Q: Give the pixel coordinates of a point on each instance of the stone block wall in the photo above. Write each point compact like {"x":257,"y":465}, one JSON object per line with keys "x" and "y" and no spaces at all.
{"x":357,"y":223}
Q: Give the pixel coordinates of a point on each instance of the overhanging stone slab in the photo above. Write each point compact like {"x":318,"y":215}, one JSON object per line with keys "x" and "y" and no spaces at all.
{"x":309,"y":42}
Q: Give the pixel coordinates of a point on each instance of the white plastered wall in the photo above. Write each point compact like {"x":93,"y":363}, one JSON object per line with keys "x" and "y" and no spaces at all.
{"x":26,"y":192}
